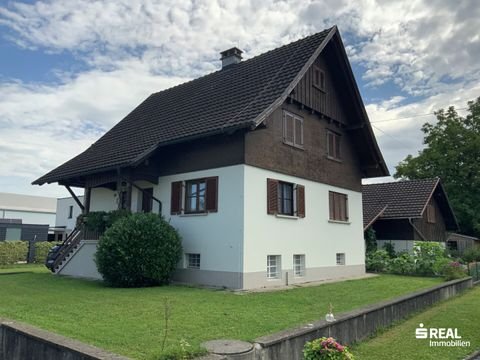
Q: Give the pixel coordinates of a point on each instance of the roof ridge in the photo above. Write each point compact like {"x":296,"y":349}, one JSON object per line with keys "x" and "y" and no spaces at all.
{"x":279,"y":71}
{"x":245,"y":61}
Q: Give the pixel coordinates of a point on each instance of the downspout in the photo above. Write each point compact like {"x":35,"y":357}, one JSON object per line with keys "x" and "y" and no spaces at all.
{"x":416,"y":230}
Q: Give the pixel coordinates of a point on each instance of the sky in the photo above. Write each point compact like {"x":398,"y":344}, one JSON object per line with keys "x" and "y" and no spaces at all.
{"x":71,"y":69}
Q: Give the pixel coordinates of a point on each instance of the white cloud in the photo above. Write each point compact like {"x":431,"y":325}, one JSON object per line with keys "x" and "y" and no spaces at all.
{"x":135,"y":47}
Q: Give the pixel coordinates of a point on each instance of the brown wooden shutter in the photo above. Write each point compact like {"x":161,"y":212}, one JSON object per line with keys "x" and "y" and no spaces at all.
{"x":337,"y":146}
{"x":288,"y":128}
{"x":341,"y":206}
{"x":298,"y":132}
{"x":330,"y":145}
{"x":272,"y":196}
{"x":331,"y":204}
{"x":176,"y":199}
{"x":301,"y":201}
{"x":212,"y":194}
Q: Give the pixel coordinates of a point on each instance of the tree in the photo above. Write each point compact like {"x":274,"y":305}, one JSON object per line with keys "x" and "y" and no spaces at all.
{"x":452,"y":153}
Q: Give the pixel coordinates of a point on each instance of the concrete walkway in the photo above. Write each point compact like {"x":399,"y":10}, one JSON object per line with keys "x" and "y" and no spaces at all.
{"x":308,"y":284}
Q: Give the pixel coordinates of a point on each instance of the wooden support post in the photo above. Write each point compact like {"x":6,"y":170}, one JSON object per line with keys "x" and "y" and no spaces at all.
{"x":88,"y":193}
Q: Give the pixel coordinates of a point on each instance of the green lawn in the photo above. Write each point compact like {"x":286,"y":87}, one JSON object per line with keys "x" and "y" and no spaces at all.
{"x":399,"y":342}
{"x":131,"y":321}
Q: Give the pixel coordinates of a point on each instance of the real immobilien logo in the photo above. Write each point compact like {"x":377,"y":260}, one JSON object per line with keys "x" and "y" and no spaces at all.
{"x":443,"y":336}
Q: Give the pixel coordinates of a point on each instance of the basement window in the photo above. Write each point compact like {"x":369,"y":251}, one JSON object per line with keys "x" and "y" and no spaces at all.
{"x":193,"y":261}
{"x":274,"y":266}
{"x":340,"y":258}
{"x":299,"y":265}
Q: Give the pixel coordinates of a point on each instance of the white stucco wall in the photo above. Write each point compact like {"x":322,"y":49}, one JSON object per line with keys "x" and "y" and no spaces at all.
{"x":103,"y":199}
{"x":217,"y":237}
{"x":63,"y":206}
{"x":82,"y":263}
{"x":313,"y":235}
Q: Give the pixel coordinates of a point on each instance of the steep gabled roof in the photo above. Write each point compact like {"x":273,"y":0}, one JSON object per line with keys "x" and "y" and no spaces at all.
{"x":238,"y":96}
{"x":405,"y":200}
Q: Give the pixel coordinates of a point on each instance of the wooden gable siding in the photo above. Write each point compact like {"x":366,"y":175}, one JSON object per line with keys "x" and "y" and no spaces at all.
{"x":431,"y":231}
{"x":328,"y":102}
{"x":206,"y":153}
{"x":264,"y":148}
{"x":393,"y":229}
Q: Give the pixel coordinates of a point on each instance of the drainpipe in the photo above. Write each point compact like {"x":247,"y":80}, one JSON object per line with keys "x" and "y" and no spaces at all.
{"x":416,"y":230}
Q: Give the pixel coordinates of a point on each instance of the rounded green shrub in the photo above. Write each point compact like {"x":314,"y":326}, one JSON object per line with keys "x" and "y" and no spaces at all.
{"x":377,"y":261}
{"x":138,"y":250}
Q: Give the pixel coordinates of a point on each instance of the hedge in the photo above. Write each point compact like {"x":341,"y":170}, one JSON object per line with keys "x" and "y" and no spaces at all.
{"x":41,"y":251}
{"x":12,"y":252}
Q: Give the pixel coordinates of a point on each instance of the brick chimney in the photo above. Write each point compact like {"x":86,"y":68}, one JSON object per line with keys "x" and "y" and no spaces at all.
{"x":231,"y":56}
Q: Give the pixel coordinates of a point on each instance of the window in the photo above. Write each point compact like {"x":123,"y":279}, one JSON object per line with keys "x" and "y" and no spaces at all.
{"x":193,"y":261}
{"x":338,"y":206}
{"x":70,"y":212}
{"x":12,"y":234}
{"x":318,"y":78}
{"x":292,"y":129}
{"x":452,"y":245}
{"x":298,"y":265}
{"x":431,"y":214}
{"x":273,"y":266}
{"x":194,"y":196}
{"x":285,"y":198}
{"x":333,"y":145}
{"x":340,"y":258}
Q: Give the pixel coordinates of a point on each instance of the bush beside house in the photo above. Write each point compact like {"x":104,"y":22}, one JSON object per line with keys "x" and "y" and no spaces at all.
{"x":427,"y":259}
{"x":138,"y":250}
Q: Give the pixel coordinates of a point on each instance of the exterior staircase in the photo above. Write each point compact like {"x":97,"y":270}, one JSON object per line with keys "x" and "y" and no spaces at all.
{"x":59,"y":255}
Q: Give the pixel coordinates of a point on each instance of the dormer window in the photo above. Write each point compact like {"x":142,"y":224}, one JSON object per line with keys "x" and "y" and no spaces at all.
{"x":319,"y":78}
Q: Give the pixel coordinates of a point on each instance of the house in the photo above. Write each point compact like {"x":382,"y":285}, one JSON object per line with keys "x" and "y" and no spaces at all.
{"x":66,"y":216}
{"x":26,"y":217}
{"x":461,"y":243}
{"x":402,"y":212}
{"x":258,"y":165}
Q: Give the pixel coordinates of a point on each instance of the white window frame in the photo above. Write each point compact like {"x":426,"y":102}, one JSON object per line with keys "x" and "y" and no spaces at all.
{"x":341,"y":259}
{"x":299,"y":265}
{"x":295,"y":143}
{"x":274,"y":267}
{"x":191,"y":261}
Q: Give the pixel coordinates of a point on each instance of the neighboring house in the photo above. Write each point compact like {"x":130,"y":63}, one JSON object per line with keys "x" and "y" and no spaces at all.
{"x":258,"y":165}
{"x":66,"y":217}
{"x":26,"y":217}
{"x":461,"y":243}
{"x":402,"y":212}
